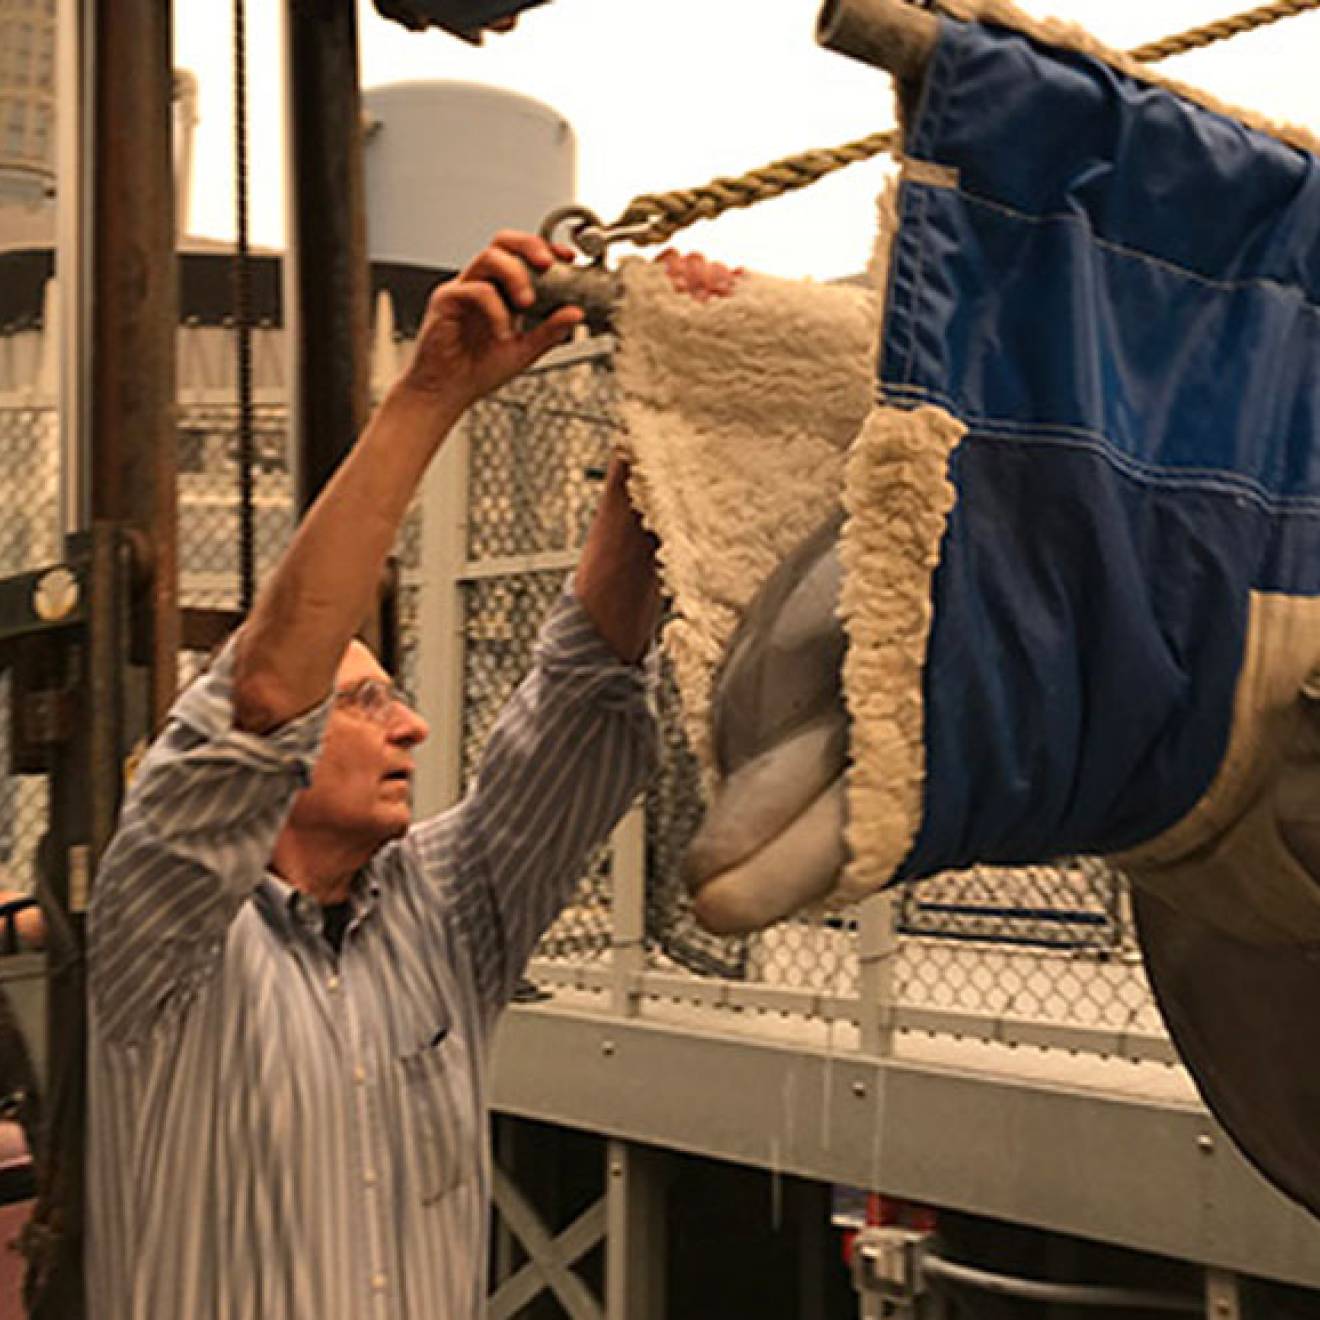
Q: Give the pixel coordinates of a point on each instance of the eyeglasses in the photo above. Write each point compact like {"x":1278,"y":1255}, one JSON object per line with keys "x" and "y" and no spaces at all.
{"x":374,"y":698}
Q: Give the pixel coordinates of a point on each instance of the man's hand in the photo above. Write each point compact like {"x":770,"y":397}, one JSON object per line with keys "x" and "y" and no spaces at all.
{"x":471,"y":342}
{"x":692,"y":273}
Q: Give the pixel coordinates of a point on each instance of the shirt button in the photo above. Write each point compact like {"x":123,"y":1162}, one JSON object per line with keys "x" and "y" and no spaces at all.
{"x":359,"y":1074}
{"x":378,"y":1282}
{"x":332,"y":984}
{"x":369,"y":1178}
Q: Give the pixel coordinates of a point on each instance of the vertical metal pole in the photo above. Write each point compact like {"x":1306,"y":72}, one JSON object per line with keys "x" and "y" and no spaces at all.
{"x":628,"y":914}
{"x":86,"y":669}
{"x":635,"y":1236}
{"x":326,"y":290}
{"x":1223,"y":1299}
{"x":440,"y":613}
{"x":326,"y":287}
{"x":134,"y":471}
{"x":117,"y":238}
{"x":877,"y":953}
{"x":73,"y":259}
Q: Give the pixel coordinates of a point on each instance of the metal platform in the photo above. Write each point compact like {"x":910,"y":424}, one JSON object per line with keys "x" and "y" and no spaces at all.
{"x":1118,"y":1151}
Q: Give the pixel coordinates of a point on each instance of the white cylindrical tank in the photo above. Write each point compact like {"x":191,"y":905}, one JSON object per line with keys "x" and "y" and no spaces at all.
{"x":449,"y":163}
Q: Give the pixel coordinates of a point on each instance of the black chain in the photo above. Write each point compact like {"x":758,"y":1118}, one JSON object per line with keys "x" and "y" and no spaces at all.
{"x":243,"y":322}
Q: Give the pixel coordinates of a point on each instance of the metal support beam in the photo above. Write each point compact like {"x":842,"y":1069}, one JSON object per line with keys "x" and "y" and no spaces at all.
{"x":134,"y":472}
{"x":326,"y":289}
{"x":440,"y":611}
{"x":1223,"y":1300}
{"x":877,"y":952}
{"x":550,"y":1259}
{"x":635,"y":1241}
{"x":71,"y":717}
{"x":787,"y":1104}
{"x":327,"y":296}
{"x":889,"y":34}
{"x":75,"y":30}
{"x":628,"y":913}
{"x":119,"y":516}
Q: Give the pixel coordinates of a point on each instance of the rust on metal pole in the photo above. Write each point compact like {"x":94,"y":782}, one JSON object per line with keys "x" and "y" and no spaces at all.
{"x":135,"y":311}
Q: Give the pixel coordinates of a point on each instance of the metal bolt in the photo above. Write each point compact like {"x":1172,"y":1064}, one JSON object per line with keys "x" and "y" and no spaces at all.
{"x":1205,"y":1143}
{"x":607,"y":1047}
{"x":616,"y":1170}
{"x":859,"y":1089}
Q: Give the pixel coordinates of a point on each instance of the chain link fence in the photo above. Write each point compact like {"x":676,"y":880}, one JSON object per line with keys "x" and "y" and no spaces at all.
{"x":210,"y":527}
{"x":209,"y":520}
{"x":29,"y":539}
{"x":536,"y":456}
{"x":209,"y":500}
{"x":1045,"y":944}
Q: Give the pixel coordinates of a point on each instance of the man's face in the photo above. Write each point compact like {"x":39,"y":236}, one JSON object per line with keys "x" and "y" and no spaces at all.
{"x":361,"y":789}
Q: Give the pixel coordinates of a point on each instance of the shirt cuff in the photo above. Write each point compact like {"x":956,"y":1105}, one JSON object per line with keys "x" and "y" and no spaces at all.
{"x":206,"y":709}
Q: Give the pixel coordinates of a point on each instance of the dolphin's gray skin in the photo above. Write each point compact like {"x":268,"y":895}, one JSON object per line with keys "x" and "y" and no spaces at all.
{"x":1243,"y":1015}
{"x":1298,"y":802}
{"x":1244,"y":1021}
{"x":772,"y":840}
{"x":764,"y":794}
{"x":782,"y":664}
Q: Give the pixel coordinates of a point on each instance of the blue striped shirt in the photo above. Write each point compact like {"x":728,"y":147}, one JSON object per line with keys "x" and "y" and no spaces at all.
{"x":280,"y":1134}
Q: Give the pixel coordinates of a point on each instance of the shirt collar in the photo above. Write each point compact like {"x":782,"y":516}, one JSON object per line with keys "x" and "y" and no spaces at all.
{"x":289,"y":909}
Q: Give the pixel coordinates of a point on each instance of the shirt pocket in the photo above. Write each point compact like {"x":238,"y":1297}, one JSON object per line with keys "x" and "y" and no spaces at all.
{"x":441,"y":1133}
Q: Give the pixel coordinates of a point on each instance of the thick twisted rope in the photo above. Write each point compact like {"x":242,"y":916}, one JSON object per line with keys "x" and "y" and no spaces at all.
{"x":666,"y":213}
{"x":1221,"y":30}
{"x":669,"y":212}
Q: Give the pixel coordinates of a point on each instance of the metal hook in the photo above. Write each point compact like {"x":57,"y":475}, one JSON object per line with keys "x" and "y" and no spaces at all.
{"x":590,"y":235}
{"x":578,"y":218}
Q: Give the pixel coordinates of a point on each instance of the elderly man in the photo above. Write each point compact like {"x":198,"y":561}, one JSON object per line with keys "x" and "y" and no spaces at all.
{"x":293,"y":985}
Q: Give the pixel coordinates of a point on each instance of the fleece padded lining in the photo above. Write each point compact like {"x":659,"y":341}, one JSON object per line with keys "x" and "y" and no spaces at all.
{"x":747,"y":419}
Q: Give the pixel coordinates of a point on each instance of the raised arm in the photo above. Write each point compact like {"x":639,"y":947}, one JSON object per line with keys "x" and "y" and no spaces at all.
{"x":568,"y":753}
{"x":616,"y":576}
{"x":207,"y":804}
{"x":308,"y":610}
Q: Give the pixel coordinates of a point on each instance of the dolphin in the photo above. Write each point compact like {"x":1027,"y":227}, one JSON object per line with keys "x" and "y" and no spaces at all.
{"x":773,"y":838}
